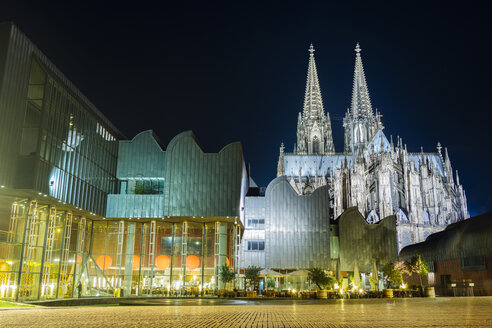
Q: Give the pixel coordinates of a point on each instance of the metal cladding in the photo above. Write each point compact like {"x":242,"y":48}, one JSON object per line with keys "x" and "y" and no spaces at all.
{"x":255,"y":210}
{"x":469,"y":238}
{"x":141,"y":157}
{"x":199,"y":183}
{"x":135,"y":206}
{"x":298,"y":232}
{"x":298,"y":227}
{"x":194,"y":183}
{"x":364,"y":243}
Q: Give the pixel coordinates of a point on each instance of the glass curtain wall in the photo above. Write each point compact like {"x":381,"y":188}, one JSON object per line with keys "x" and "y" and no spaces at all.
{"x":78,"y":155}
{"x":37,"y":259}
{"x":209,"y":269}
{"x":162,"y":261}
{"x":194,"y":260}
{"x":64,"y":256}
{"x":177,"y":259}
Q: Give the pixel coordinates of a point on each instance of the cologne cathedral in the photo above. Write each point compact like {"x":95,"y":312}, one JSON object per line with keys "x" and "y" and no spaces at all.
{"x":372,"y":173}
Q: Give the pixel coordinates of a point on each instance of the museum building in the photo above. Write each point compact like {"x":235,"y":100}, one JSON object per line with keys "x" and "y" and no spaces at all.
{"x":86,"y":211}
{"x":82,"y":208}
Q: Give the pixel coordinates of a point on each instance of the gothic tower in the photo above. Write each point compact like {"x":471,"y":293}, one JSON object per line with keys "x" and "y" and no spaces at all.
{"x":360,"y":123}
{"x":313,"y":126}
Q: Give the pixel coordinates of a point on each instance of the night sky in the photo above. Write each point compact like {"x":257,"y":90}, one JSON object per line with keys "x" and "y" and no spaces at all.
{"x":236,"y":72}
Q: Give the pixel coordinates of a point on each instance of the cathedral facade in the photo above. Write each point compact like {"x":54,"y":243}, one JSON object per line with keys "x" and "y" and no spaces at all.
{"x":372,"y":173}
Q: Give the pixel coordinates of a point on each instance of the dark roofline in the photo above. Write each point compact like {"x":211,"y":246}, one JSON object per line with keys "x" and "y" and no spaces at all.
{"x":456,"y":239}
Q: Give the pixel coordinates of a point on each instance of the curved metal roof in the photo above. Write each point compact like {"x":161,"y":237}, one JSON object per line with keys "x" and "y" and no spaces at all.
{"x":471,"y":237}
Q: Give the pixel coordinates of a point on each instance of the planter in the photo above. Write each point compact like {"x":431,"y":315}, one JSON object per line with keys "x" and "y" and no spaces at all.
{"x":388,"y":293}
{"x":251,"y":293}
{"x":429,"y":292}
{"x":322,"y":294}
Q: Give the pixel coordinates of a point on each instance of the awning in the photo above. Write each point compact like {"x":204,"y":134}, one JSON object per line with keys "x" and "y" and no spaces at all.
{"x":299,"y":273}
{"x":270,"y":273}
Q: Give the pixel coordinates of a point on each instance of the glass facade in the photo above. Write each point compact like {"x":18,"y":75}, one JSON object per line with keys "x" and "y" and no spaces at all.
{"x":38,"y":256}
{"x":77,"y":154}
{"x":74,"y":228}
{"x":50,"y":254}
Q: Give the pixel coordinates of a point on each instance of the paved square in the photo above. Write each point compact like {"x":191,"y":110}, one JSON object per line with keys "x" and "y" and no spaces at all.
{"x":422,"y":312}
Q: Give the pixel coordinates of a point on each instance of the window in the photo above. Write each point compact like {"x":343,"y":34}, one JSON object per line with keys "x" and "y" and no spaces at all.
{"x":123,"y":187}
{"x":166,"y":245}
{"x":473,"y":263}
{"x":144,"y":187}
{"x":256,"y":223}
{"x":315,"y":145}
{"x":256,"y":245}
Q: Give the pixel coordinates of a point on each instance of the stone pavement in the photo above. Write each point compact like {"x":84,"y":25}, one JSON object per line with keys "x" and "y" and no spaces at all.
{"x":421,"y":312}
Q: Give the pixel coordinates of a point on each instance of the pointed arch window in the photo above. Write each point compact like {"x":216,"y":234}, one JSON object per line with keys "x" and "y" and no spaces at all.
{"x":315,"y":145}
{"x":356,"y":134}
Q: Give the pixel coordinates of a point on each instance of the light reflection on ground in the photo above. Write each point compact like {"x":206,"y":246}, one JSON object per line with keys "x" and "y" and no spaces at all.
{"x":418,"y":312}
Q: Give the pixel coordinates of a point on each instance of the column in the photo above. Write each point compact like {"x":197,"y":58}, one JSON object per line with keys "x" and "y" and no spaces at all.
{"x":221,"y":250}
{"x":130,"y":246}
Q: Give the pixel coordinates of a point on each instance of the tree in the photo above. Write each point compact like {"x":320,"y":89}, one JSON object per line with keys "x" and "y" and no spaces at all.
{"x":419,"y":266}
{"x":352,"y":280}
{"x":393,"y":273}
{"x":252,"y":275}
{"x":319,"y":277}
{"x":270,"y":283}
{"x":226,"y":274}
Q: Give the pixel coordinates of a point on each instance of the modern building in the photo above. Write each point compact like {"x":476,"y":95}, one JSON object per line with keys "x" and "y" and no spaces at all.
{"x":84,"y":209}
{"x":289,"y":233}
{"x":371,"y":173}
{"x":460,"y":257}
{"x":58,"y":163}
{"x":187,"y":206}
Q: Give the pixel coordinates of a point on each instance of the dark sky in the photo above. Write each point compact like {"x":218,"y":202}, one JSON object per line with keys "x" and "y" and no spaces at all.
{"x":236,"y":72}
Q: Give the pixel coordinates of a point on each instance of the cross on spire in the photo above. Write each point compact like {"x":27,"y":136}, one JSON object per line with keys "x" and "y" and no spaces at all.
{"x":311,"y":50}
{"x":378,"y":118}
{"x":357,"y":48}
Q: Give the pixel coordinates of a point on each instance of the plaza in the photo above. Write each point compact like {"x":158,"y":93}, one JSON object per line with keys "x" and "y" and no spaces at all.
{"x":417,"y":312}
{"x":87,"y":212}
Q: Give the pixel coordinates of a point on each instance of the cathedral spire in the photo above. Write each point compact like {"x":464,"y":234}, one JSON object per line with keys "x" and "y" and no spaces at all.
{"x":360,"y":123}
{"x":361,"y":103}
{"x":314,"y":135}
{"x":313,"y":104}
{"x":280,"y":165}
